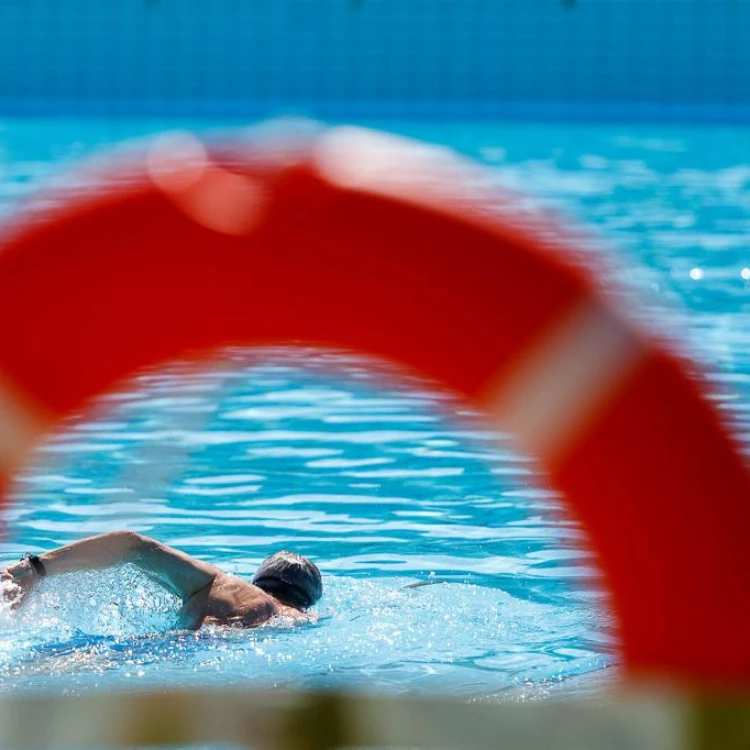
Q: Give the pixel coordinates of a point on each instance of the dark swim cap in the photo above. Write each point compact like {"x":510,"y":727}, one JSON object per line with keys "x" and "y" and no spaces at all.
{"x":291,"y":578}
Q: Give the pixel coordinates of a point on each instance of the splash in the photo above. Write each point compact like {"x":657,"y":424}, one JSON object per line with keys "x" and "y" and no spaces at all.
{"x":120,"y":601}
{"x":118,"y":627}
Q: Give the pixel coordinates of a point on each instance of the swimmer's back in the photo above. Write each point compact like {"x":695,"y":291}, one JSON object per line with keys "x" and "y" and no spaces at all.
{"x":229,"y":600}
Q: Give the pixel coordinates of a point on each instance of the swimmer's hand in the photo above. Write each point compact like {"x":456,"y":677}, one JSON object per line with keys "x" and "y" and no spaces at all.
{"x":298,"y":617}
{"x":285,"y":616}
{"x":17,"y":581}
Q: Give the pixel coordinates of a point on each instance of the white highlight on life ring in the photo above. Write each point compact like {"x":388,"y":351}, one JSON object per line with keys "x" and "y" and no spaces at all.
{"x":224,"y":201}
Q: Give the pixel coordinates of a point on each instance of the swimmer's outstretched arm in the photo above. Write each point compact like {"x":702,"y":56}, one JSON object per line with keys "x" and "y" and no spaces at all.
{"x":179,"y":573}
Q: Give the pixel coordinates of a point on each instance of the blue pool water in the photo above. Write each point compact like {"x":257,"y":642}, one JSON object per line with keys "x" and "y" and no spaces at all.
{"x":381,"y":479}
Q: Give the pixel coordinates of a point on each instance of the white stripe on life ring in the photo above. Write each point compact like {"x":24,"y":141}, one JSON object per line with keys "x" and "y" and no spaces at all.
{"x":558,"y":387}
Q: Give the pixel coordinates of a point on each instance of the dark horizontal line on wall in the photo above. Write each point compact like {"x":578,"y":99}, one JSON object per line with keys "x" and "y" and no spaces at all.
{"x":580,"y":111}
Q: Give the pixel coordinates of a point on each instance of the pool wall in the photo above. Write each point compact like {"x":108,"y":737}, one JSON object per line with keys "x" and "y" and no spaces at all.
{"x":556,"y":59}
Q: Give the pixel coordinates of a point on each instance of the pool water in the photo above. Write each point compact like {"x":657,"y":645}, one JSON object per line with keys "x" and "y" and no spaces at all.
{"x":382,"y":479}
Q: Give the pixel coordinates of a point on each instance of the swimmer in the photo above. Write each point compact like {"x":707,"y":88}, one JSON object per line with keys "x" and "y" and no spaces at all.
{"x":286,"y":584}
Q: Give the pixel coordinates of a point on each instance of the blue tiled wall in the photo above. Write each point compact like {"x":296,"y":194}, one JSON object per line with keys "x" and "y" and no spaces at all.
{"x":557,"y":58}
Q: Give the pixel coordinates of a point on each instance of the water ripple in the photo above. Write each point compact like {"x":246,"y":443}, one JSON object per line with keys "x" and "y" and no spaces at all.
{"x":246,"y":457}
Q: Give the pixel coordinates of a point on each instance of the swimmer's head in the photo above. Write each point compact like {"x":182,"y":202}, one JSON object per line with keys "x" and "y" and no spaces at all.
{"x":291,"y":578}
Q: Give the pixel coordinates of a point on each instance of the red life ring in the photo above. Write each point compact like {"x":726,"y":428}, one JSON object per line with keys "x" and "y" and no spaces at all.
{"x":358,"y":240}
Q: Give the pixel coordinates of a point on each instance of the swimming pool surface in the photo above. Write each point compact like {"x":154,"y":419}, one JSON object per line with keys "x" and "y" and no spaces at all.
{"x":378,"y":477}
